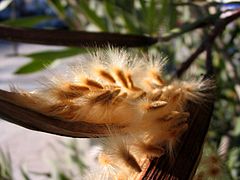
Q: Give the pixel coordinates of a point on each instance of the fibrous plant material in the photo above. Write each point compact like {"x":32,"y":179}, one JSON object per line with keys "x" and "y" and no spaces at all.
{"x":114,"y":87}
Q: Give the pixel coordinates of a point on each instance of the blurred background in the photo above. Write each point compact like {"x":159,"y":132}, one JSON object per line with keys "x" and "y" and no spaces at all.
{"x":197,"y":33}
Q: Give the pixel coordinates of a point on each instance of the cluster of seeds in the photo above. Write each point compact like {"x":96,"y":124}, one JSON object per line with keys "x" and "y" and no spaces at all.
{"x":113,"y":87}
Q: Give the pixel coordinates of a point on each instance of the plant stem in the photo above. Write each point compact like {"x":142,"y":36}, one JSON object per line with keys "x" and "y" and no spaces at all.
{"x":218,"y":29}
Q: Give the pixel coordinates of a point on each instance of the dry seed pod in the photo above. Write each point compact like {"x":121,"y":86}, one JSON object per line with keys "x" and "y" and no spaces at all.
{"x":115,"y":88}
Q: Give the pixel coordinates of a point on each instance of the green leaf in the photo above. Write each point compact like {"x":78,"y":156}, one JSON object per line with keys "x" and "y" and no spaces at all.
{"x":34,"y":66}
{"x":109,"y":7}
{"x":76,"y":157}
{"x":143,"y":5}
{"x":26,"y":21}
{"x":173,"y":15}
{"x":236,"y":131}
{"x":24,"y":174}
{"x":126,"y":5}
{"x":130,"y":23}
{"x":233,"y":161}
{"x":153,"y":16}
{"x":58,"y":7}
{"x":164,"y":9}
{"x":92,"y":15}
{"x":43,"y":59}
{"x":62,"y":176}
{"x":5,"y":165}
{"x":150,"y":16}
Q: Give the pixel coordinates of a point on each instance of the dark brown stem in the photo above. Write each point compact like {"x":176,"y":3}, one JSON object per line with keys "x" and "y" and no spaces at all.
{"x":93,"y":39}
{"x":218,"y":29}
{"x":206,"y":4}
{"x":230,"y":68}
{"x":185,"y":65}
{"x":74,"y":38}
{"x":209,"y":63}
{"x":185,"y":28}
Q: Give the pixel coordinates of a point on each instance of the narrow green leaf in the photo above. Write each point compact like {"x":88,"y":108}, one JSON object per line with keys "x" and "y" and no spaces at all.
{"x":236,"y":130}
{"x":62,"y":176}
{"x":59,"y":8}
{"x":110,"y":15}
{"x":150,"y":16}
{"x":143,"y":5}
{"x":43,"y":59}
{"x":130,"y":23}
{"x":173,"y":15}
{"x":76,"y":157}
{"x":126,"y":5}
{"x":153,"y":16}
{"x":5,"y":165}
{"x":26,"y":21}
{"x":24,"y":174}
{"x":56,"y":54}
{"x":92,"y":15}
{"x":126,"y":10}
{"x":34,"y":66}
{"x":109,"y":6}
{"x":164,"y":9}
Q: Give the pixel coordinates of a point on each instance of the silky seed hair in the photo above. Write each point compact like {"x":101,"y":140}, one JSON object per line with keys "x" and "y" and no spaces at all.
{"x":114,"y":87}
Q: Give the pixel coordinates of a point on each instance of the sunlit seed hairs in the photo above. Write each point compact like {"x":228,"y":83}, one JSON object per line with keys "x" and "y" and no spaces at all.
{"x":114,"y":87}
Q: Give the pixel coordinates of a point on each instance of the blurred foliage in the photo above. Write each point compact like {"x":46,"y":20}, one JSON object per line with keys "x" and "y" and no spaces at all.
{"x":65,"y":167}
{"x":178,"y":21}
{"x":212,"y":165}
{"x":72,"y":165}
{"x":41,"y":60}
{"x":5,"y":166}
{"x":26,"y":21}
